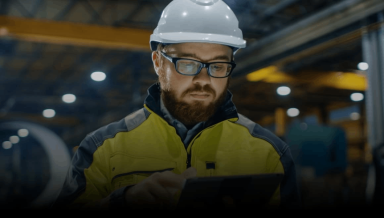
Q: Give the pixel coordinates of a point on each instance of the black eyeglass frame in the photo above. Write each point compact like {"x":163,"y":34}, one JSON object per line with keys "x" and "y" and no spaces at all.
{"x":202,"y":65}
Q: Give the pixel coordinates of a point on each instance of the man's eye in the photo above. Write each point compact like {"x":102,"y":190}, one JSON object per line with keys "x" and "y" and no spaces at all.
{"x":217,"y":67}
{"x":187,"y":66}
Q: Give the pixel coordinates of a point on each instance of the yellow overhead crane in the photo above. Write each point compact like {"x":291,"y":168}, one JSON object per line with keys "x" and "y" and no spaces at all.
{"x":338,"y":80}
{"x":74,"y":33}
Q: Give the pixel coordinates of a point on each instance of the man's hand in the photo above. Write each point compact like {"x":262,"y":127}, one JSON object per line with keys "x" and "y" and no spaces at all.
{"x":158,"y":190}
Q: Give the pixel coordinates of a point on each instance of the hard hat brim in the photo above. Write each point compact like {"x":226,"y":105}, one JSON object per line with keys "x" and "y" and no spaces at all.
{"x":182,"y":37}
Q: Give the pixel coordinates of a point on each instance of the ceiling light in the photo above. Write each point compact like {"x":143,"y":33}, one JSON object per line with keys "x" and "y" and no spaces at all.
{"x":49,"y":113}
{"x":69,"y":98}
{"x":98,"y":76}
{"x":23,"y":132}
{"x":14,"y":139}
{"x":355,"y":116}
{"x":283,"y":90}
{"x":3,"y":31}
{"x":293,"y":112}
{"x":7,"y":145}
{"x":363,"y":66}
{"x":357,"y":96}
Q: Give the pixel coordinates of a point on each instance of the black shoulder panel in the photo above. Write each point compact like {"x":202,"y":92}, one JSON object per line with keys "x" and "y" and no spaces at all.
{"x":75,"y":181}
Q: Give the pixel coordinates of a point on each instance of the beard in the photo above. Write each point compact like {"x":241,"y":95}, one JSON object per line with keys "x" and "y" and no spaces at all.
{"x":190,"y":113}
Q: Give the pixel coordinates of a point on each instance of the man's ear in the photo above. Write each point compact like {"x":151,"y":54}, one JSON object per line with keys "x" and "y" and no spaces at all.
{"x":156,"y":61}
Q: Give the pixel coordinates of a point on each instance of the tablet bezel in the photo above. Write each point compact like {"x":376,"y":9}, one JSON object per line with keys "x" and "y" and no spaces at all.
{"x":242,"y":190}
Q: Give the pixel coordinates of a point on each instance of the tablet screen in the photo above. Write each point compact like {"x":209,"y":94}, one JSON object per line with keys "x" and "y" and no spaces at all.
{"x":224,"y":191}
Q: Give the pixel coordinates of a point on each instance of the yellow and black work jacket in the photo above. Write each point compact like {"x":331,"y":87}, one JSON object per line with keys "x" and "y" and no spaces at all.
{"x":125,"y":152}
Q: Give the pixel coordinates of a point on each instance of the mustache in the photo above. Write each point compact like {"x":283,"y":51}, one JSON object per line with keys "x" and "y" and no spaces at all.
{"x":199,"y":88}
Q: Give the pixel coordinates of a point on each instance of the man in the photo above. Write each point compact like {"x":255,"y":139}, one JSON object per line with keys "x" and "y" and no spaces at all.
{"x":188,"y":127}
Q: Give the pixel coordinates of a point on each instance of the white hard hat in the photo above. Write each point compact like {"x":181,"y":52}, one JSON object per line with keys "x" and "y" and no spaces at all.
{"x":210,"y":21}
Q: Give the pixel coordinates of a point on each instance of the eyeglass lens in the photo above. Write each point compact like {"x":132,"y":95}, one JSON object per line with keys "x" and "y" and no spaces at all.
{"x":191,"y":67}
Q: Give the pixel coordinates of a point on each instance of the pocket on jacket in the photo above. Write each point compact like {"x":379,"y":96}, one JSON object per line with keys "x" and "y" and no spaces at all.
{"x":128,"y":170}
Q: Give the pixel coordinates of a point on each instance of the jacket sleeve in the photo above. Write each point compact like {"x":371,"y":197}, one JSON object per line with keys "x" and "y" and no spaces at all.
{"x":85,"y":186}
{"x":289,"y":191}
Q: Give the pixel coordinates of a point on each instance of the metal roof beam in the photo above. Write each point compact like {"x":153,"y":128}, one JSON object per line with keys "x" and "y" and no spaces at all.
{"x":66,"y":33}
{"x":138,"y":7}
{"x":22,"y":9}
{"x":36,"y":7}
{"x":278,"y":7}
{"x":5,"y":5}
{"x":340,"y":15}
{"x":97,"y":14}
{"x":66,"y":10}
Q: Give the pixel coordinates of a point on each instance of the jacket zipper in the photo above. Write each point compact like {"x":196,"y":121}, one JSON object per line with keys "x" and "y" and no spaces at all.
{"x":188,"y":160}
{"x":189,"y":155}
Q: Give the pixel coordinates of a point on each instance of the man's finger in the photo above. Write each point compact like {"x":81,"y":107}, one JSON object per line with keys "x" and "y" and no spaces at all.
{"x":189,"y":173}
{"x":161,"y":194}
{"x":169,"y":180}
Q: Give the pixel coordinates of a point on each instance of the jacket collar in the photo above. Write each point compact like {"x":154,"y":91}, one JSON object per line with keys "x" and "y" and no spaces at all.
{"x":226,"y":111}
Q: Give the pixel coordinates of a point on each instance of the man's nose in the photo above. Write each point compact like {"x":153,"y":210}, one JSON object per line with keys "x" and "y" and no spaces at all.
{"x":203,"y":77}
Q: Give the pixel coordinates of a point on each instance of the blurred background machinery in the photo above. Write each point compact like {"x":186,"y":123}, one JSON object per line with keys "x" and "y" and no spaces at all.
{"x":311,"y":73}
{"x":33,"y":171}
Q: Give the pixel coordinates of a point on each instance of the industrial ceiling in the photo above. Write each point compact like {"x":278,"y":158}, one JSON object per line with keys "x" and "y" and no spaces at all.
{"x":49,"y":48}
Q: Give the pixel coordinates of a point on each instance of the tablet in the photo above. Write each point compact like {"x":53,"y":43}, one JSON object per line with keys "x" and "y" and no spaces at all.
{"x":229,"y":191}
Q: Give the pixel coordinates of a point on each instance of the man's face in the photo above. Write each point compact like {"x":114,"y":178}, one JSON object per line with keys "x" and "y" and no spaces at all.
{"x":196,"y":97}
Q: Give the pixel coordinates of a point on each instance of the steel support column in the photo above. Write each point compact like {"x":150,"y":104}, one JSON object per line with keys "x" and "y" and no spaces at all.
{"x":373,"y":54}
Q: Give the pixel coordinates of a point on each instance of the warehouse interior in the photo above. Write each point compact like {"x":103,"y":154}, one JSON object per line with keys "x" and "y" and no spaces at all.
{"x":311,"y":72}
